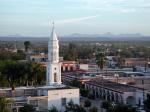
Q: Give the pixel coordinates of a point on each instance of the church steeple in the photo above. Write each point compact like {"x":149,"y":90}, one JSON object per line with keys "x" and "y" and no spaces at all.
{"x":53,"y":35}
{"x":53,"y":47}
{"x":53,"y":66}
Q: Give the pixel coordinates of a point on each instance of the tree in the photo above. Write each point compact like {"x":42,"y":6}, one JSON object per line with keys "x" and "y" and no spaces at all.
{"x":105,"y":104}
{"x":101,"y":60}
{"x":79,"y":109}
{"x":111,"y":107}
{"x":3,"y":81}
{"x":27,"y":108}
{"x":11,"y":70}
{"x":91,"y":96}
{"x":147,"y":103}
{"x":87,"y":103}
{"x":71,"y":107}
{"x":27,"y":45}
{"x":84,"y":92}
{"x":71,"y":53}
{"x":14,"y":73}
{"x":93,"y":109}
{"x":122,"y":108}
{"x":3,"y":103}
{"x":35,"y":70}
{"x":120,"y":61}
{"x":53,"y":109}
{"x":75,"y":83}
{"x":8,"y":55}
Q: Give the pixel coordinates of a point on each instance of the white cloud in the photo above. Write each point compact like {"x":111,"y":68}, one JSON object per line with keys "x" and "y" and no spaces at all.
{"x":67,"y":21}
{"x":75,"y":20}
{"x":128,"y":10}
{"x":124,"y":6}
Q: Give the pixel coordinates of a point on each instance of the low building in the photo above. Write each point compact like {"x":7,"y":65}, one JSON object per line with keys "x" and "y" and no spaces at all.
{"x":115,"y":92}
{"x":41,"y":98}
{"x":133,"y":62}
{"x":68,"y":66}
{"x":111,"y":63}
{"x":39,"y":58}
{"x":91,"y":67}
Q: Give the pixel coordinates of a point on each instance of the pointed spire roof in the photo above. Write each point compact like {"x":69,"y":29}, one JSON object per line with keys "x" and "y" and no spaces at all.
{"x":53,"y":35}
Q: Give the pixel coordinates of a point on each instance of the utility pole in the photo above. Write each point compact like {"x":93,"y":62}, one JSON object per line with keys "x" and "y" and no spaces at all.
{"x":143,"y":90}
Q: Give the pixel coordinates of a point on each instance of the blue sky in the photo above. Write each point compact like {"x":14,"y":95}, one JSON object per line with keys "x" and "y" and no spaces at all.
{"x":34,"y":17}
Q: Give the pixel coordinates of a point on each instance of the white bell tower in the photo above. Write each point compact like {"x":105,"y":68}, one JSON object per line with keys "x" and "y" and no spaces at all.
{"x":53,"y":76}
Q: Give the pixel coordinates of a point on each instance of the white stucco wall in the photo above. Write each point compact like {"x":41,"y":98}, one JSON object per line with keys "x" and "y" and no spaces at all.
{"x":84,"y":66}
{"x":55,"y":97}
{"x":139,"y":96}
{"x":129,"y":94}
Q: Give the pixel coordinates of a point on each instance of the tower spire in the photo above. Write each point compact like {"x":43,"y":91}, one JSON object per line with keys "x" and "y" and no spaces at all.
{"x":53,"y":35}
{"x":54,"y":66}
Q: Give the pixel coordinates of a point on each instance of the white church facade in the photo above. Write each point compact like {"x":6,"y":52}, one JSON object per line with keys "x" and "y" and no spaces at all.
{"x":54,"y":93}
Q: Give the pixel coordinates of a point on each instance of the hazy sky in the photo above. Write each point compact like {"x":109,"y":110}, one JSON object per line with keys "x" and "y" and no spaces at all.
{"x":33,"y":17}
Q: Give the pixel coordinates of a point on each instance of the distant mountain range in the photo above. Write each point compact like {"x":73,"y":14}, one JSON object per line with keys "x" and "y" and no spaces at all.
{"x":108,"y":34}
{"x":82,"y":37}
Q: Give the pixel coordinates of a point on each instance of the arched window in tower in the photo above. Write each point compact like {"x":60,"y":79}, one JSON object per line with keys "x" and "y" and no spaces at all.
{"x":55,"y":77}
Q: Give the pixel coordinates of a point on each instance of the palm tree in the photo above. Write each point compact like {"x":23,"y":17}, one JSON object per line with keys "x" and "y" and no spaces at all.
{"x":27,"y":45}
{"x":3,"y":103}
{"x":101,"y":60}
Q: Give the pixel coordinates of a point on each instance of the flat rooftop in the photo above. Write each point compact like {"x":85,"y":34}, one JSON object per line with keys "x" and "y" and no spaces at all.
{"x":38,"y":87}
{"x":112,"y":85}
{"x":143,"y":86}
{"x":30,"y":91}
